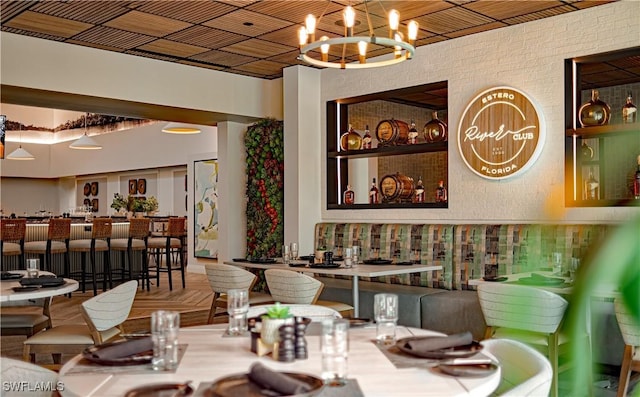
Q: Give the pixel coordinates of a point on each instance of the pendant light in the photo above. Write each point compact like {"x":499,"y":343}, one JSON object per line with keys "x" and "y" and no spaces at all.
{"x":177,"y":128}
{"x":20,"y":153}
{"x":85,"y":142}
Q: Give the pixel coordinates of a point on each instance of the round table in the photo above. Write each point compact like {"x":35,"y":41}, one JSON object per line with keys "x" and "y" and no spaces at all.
{"x":211,"y":355}
{"x":7,"y":294}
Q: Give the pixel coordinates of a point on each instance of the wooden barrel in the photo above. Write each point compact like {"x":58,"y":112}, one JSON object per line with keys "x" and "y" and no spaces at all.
{"x":392,"y":132}
{"x":396,"y":187}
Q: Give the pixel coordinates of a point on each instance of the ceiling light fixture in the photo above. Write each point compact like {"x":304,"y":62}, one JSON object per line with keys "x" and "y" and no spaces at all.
{"x":402,"y":50}
{"x":85,"y":142}
{"x":20,"y":153}
{"x":176,"y":128}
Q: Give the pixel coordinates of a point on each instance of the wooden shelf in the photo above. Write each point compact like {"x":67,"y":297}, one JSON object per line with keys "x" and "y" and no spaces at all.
{"x":387,"y":206}
{"x":391,"y":150}
{"x":605,"y":130}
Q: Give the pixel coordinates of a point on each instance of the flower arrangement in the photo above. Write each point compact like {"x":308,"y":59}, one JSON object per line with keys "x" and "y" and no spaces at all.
{"x":134,"y":204}
{"x":150,"y":204}
{"x":278,"y":311}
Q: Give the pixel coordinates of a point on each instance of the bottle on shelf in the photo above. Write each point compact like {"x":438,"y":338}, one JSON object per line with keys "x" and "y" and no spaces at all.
{"x":374,"y":193}
{"x":441,"y":193}
{"x":350,"y":140}
{"x":595,"y":112}
{"x":592,"y":187}
{"x":419,"y":193}
{"x":349,"y":196}
{"x":629,"y":110}
{"x":413,"y":134}
{"x":435,"y":130}
{"x":366,"y":139}
{"x":636,"y":182}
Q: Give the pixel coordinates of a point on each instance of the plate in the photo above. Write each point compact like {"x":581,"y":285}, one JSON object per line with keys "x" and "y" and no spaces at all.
{"x":451,"y":352}
{"x":42,"y":282}
{"x":263,"y":260}
{"x":306,"y":257}
{"x":11,"y":276}
{"x":540,"y":281}
{"x":325,"y":266}
{"x":468,"y":370}
{"x":359,"y":322}
{"x":299,"y":264}
{"x":492,"y":279}
{"x":161,"y":390}
{"x":338,"y":258}
{"x":240,"y":385}
{"x":26,"y":289}
{"x":378,"y":261}
{"x":139,"y":358}
{"x":240,"y":260}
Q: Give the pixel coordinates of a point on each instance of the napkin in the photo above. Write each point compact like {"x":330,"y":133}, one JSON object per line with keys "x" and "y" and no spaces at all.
{"x":277,"y":381}
{"x":124,"y":349}
{"x":431,"y":343}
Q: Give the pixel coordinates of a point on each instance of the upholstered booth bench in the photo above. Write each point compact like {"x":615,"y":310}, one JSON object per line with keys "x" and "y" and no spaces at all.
{"x":443,"y":300}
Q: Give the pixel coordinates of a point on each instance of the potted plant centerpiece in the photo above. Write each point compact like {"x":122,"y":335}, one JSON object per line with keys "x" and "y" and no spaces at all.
{"x":277,"y":315}
{"x":150,"y":205}
{"x":319,"y":253}
{"x":119,"y":203}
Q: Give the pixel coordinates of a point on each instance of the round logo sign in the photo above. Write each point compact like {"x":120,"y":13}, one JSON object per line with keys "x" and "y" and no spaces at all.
{"x":501,"y":133}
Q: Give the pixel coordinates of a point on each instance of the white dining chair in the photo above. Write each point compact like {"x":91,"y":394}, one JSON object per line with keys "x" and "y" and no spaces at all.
{"x":530,"y":315}
{"x":225,"y":277}
{"x":525,"y":372}
{"x":104,"y":315}
{"x":313,"y":312}
{"x":630,"y":329}
{"x":286,"y":286}
{"x":40,"y":380}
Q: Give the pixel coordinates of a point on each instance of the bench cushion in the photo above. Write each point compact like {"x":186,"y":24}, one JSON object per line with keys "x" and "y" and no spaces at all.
{"x":453,"y":312}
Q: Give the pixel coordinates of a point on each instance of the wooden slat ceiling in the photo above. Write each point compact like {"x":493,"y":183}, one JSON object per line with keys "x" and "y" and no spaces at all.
{"x":253,"y":38}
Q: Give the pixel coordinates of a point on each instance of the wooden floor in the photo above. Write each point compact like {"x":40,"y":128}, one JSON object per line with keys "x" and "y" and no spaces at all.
{"x":192,"y":302}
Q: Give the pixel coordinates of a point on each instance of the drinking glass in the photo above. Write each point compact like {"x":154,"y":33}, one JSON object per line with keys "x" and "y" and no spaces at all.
{"x":165,"y":326}
{"x":294,"y":250}
{"x":355,"y":254}
{"x":575,"y":264}
{"x":556,"y":259}
{"x":237,"y":307}
{"x":348,"y":257}
{"x":386,"y":314}
{"x":33,"y":268}
{"x":334,"y":344}
{"x":286,"y":254}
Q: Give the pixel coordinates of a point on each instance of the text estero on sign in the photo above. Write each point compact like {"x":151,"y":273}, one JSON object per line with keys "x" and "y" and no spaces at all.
{"x":501,"y":133}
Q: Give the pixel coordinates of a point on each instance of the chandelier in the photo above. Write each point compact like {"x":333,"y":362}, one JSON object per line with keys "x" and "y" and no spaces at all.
{"x":402,"y":50}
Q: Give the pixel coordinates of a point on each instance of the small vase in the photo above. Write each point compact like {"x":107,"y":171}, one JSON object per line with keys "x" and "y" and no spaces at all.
{"x":129,"y":214}
{"x":270,"y":326}
{"x":595,"y":112}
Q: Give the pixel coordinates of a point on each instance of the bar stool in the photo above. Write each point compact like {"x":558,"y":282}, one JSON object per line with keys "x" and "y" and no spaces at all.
{"x":12,"y":239}
{"x":57,"y":242}
{"x":137,"y":241}
{"x":99,"y":242}
{"x":172,"y":244}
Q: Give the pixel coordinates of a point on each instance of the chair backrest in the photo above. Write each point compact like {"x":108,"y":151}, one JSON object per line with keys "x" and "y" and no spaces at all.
{"x":18,"y":372}
{"x":139,"y":228}
{"x":59,"y":228}
{"x":314,"y":312}
{"x":177,"y":227}
{"x":13,"y":229}
{"x":629,"y":326}
{"x":225,"y":277}
{"x":109,"y":309}
{"x":287,"y":286}
{"x":524,"y":370}
{"x":521,"y":307}
{"x":101,"y":228}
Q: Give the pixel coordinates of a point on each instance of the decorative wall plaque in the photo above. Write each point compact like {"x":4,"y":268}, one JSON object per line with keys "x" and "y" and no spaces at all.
{"x":501,"y":133}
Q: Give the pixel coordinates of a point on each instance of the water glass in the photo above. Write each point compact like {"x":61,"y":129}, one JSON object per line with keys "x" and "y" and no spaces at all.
{"x":575,"y":264}
{"x":165,"y":326}
{"x":293,"y":247}
{"x":556,"y":259}
{"x":355,"y":254}
{"x":237,"y":307}
{"x":33,"y":268}
{"x":386,"y":314}
{"x":348,"y":257}
{"x":334,"y":345}
{"x":286,"y":254}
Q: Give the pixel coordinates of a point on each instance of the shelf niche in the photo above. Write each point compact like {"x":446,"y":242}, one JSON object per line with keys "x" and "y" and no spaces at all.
{"x":358,"y":167}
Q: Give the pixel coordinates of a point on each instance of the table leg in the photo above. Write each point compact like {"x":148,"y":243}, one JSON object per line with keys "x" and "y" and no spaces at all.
{"x":356,"y":296}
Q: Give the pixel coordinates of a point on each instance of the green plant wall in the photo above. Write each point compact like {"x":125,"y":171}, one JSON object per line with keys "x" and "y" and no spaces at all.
{"x":265,"y":188}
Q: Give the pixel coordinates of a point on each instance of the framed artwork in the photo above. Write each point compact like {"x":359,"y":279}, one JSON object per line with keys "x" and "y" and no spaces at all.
{"x":95,"y":205}
{"x":94,"y":188}
{"x":87,"y":189}
{"x":87,"y":202}
{"x":133,"y":186}
{"x":142,"y":186}
{"x":205,"y":193}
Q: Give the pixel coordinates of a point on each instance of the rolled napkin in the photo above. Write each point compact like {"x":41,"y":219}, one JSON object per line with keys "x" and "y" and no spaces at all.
{"x":431,"y":343}
{"x":124,"y":349}
{"x":277,"y":381}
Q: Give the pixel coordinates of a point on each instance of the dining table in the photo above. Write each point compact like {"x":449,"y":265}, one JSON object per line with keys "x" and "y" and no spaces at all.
{"x":210,"y":358}
{"x":11,"y":291}
{"x":354,"y":272}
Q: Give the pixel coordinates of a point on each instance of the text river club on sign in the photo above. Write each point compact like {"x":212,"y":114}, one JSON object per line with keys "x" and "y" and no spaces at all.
{"x":501,"y":133}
